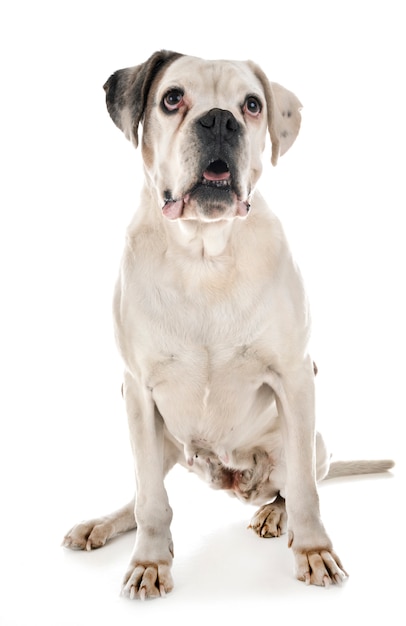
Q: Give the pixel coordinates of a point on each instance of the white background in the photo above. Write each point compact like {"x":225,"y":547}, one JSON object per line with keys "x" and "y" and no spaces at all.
{"x":69,"y":185}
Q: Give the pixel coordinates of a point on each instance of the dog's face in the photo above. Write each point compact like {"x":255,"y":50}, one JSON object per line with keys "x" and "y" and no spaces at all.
{"x":204,"y":130}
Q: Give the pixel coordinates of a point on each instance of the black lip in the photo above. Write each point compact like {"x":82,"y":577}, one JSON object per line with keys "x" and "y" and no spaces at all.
{"x":211,"y":187}
{"x":210,"y":197}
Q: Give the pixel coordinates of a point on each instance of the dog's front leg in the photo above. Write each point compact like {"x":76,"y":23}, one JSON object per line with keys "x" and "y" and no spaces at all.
{"x":315,"y":561}
{"x":149,"y":572}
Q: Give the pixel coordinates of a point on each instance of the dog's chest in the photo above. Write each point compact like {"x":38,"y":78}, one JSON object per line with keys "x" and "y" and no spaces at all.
{"x":205,"y":365}
{"x":203,"y":339}
{"x":214,"y":394}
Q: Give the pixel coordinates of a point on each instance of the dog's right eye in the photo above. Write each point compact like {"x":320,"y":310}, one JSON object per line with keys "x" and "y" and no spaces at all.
{"x":172,"y":100}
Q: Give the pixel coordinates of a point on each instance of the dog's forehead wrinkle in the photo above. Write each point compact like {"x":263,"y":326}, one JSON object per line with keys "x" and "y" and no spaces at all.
{"x":213,"y":81}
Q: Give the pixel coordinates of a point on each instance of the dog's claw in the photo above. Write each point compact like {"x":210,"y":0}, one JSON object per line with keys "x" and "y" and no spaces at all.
{"x":340,"y":577}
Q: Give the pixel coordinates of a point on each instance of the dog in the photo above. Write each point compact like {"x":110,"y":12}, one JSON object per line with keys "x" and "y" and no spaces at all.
{"x":212,"y":320}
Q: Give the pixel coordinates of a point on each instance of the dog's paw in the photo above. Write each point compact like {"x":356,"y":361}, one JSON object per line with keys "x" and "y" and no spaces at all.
{"x":270,"y":520}
{"x":319,"y":567}
{"x":147,"y":580}
{"x":89,"y":535}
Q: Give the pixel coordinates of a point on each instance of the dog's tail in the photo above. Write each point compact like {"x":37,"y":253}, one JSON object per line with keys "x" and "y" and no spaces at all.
{"x":354,"y":468}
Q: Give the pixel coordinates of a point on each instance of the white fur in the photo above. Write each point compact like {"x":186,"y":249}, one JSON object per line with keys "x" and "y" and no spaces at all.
{"x":212,"y":323}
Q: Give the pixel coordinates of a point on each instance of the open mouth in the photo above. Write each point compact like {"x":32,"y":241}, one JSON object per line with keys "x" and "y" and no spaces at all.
{"x":213,"y":197}
{"x":217,"y":175}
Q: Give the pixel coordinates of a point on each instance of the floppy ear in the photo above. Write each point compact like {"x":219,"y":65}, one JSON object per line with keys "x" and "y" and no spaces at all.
{"x":283,"y":114}
{"x":127,"y":92}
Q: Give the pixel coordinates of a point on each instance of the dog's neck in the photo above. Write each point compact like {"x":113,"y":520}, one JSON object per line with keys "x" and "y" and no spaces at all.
{"x":204,"y":239}
{"x":200,"y":239}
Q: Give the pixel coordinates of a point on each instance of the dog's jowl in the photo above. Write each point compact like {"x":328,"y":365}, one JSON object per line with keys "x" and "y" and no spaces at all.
{"x":211,"y":318}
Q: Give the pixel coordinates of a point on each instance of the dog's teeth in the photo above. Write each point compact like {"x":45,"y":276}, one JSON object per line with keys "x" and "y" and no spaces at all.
{"x":216,"y":183}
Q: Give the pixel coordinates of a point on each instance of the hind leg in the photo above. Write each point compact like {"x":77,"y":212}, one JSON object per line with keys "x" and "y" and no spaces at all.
{"x":96,"y":532}
{"x":270,"y":520}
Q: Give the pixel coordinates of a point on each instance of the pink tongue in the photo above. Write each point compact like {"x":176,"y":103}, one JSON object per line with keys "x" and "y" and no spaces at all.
{"x":213,"y":176}
{"x":173,"y":210}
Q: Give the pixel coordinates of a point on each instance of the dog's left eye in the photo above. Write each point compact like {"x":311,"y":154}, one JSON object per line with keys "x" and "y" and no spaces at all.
{"x":172,"y":100}
{"x":252,"y":106}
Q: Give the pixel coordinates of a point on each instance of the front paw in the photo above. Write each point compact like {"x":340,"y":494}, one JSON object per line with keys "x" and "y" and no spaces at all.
{"x":319,"y":567}
{"x":146,"y":579}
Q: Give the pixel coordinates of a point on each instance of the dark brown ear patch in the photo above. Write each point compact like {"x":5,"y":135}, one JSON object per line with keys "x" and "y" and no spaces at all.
{"x":127,"y":91}
{"x":116,"y":91}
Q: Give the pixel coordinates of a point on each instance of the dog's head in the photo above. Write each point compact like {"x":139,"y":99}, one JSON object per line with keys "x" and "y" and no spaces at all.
{"x":204,"y":129}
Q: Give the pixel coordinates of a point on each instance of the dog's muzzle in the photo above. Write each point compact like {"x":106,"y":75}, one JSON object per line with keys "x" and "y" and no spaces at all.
{"x":215,"y":195}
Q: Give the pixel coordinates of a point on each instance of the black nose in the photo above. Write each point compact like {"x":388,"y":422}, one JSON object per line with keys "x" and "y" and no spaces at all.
{"x":219,"y":124}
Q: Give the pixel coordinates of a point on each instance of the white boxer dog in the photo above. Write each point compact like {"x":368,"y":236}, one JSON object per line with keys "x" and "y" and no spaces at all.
{"x":211,"y":318}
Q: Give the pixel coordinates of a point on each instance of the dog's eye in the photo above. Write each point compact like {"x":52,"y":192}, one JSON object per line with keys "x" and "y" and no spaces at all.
{"x":172,"y":100}
{"x":252,"y":106}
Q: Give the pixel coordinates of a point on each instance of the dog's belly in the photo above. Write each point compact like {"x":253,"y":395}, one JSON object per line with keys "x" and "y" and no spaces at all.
{"x":214,"y":399}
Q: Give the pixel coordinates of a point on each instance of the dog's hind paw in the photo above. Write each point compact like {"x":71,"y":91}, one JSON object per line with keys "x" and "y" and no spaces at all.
{"x":270,"y":520}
